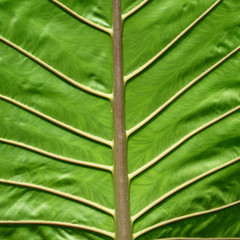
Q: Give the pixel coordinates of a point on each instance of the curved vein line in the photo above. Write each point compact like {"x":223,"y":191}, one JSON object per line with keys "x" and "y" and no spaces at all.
{"x":58,"y":73}
{"x":124,"y":16}
{"x":180,"y":187}
{"x":156,"y":112}
{"x":58,"y":157}
{"x":61,"y":194}
{"x":66,"y":126}
{"x":61,"y":224}
{"x":177,"y":144}
{"x":97,"y":26}
{"x":184,"y":217}
{"x":147,"y":64}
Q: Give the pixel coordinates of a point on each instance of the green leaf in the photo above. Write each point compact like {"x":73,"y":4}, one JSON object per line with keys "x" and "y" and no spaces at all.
{"x":181,"y":68}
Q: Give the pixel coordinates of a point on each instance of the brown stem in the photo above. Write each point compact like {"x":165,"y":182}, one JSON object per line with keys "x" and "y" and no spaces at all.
{"x":120,"y":174}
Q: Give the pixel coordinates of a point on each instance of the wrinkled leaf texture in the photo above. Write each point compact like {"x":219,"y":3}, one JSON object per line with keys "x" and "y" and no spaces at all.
{"x":197,"y":133}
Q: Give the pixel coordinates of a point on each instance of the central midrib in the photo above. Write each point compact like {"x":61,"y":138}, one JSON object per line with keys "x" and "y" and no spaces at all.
{"x":123,"y":226}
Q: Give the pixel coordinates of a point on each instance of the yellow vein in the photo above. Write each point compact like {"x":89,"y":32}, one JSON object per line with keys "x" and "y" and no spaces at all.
{"x":53,"y":70}
{"x":77,"y":131}
{"x":124,"y":16}
{"x":155,"y":113}
{"x":184,"y":217}
{"x":170,"y":193}
{"x":97,"y":26}
{"x":177,"y":144}
{"x":147,"y":64}
{"x":58,"y":224}
{"x":59,"y":193}
{"x":58,"y":157}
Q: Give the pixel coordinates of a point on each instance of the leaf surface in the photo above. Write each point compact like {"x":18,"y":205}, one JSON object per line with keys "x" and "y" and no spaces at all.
{"x":181,"y":68}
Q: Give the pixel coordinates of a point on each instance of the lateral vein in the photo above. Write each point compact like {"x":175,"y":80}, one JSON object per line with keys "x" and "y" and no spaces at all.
{"x":55,"y":156}
{"x":58,"y":73}
{"x":156,"y":112}
{"x":60,"y":224}
{"x":85,"y":20}
{"x":147,"y":64}
{"x":180,"y":187}
{"x":66,"y":126}
{"x":59,"y":193}
{"x":185,"y":217}
{"x":135,"y":9}
{"x":177,"y":144}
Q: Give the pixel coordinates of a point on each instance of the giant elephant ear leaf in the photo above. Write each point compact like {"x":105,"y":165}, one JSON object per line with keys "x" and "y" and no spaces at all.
{"x":182,"y":83}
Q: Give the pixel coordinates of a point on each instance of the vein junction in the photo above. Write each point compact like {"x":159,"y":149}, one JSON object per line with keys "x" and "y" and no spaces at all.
{"x":151,"y":61}
{"x":181,"y":141}
{"x":135,"y":9}
{"x":66,"y":126}
{"x":182,"y":186}
{"x":58,"y":224}
{"x":55,"y":156}
{"x":59,"y":193}
{"x":58,"y":73}
{"x":179,"y":93}
{"x":85,"y":20}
